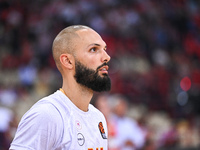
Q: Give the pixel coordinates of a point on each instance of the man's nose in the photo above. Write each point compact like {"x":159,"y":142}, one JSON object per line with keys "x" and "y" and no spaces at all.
{"x":105,"y":57}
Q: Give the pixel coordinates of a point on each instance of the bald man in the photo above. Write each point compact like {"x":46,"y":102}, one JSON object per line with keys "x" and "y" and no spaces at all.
{"x":65,"y":120}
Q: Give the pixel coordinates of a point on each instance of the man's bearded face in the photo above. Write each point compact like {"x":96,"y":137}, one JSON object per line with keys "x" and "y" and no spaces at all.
{"x":91,"y":78}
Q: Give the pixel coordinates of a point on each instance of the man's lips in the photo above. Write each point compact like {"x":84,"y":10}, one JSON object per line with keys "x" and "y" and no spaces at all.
{"x":104,"y":69}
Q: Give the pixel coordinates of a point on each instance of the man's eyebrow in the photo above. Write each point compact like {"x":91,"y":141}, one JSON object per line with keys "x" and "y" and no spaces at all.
{"x":95,"y":44}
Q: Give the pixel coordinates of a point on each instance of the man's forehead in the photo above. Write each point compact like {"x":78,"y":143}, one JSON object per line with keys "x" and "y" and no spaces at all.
{"x":88,"y":34}
{"x":90,"y":37}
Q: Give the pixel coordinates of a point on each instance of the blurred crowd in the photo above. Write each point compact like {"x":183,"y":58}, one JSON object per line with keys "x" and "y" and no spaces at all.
{"x":155,"y":65}
{"x":135,"y":127}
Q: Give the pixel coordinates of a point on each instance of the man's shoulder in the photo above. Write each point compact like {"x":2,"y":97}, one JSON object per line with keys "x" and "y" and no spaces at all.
{"x":46,"y":103}
{"x":95,"y":111}
{"x":49,"y":106}
{"x":53,"y":100}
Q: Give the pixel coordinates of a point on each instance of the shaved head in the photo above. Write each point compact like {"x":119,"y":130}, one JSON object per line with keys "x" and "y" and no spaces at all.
{"x":65,"y":42}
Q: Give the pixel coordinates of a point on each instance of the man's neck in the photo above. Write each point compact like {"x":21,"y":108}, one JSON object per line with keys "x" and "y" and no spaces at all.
{"x":79,"y":95}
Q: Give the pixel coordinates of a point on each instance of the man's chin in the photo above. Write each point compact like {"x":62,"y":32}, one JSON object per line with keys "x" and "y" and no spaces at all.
{"x":103,"y":75}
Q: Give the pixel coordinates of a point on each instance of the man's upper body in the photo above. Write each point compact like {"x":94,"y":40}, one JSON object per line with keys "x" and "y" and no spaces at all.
{"x":53,"y":123}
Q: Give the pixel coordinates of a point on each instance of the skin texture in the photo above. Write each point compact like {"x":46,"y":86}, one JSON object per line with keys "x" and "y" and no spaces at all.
{"x":82,"y":44}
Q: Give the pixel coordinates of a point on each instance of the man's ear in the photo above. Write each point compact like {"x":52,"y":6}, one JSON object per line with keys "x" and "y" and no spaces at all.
{"x":67,"y":60}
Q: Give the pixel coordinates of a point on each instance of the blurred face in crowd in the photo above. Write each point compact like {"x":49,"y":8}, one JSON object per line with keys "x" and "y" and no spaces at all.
{"x":120,"y":108}
{"x":103,"y":105}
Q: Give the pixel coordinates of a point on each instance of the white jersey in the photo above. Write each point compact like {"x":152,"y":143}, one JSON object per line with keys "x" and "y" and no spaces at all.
{"x":55,"y":123}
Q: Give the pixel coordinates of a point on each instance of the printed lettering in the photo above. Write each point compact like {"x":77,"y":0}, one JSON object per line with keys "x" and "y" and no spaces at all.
{"x":96,"y":148}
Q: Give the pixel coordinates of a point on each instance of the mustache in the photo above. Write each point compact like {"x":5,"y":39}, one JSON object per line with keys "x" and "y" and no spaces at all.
{"x":104,"y":64}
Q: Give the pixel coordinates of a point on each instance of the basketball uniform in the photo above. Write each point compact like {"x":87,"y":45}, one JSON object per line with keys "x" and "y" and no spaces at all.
{"x":55,"y":123}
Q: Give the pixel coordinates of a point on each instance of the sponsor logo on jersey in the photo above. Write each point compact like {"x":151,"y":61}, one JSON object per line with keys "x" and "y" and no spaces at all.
{"x":80,"y":139}
{"x":102,"y":131}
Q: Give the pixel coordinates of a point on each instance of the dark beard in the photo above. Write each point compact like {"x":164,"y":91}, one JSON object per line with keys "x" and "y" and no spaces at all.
{"x":90,"y":78}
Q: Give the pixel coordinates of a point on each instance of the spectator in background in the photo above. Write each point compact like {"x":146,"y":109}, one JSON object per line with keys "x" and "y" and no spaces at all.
{"x":188,"y":137}
{"x":124,"y":133}
{"x":8,"y":98}
{"x":102,"y":103}
{"x":6,"y":116}
{"x":129,"y":135}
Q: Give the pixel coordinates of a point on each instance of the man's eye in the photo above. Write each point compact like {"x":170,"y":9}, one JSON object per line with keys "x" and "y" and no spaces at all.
{"x":93,"y":49}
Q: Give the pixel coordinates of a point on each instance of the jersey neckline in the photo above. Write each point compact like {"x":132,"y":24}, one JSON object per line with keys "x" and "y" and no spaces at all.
{"x":73,"y":106}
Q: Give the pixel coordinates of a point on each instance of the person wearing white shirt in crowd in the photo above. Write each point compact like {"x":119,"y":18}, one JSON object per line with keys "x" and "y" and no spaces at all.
{"x":128,"y":134}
